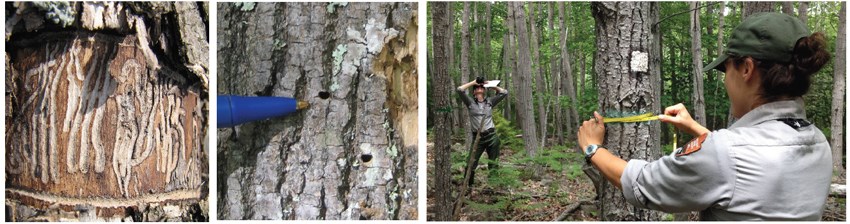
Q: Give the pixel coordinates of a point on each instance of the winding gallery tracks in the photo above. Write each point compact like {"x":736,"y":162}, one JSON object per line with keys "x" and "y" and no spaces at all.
{"x":92,"y":123}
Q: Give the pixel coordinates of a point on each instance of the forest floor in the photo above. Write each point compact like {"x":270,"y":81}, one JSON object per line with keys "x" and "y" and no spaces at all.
{"x":518,"y":196}
{"x":557,"y":192}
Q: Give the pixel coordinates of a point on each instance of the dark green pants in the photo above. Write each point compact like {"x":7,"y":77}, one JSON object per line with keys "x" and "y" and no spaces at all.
{"x":489,"y":142}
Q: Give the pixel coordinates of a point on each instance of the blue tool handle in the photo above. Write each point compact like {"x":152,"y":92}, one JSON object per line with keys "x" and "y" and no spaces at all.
{"x":236,"y":110}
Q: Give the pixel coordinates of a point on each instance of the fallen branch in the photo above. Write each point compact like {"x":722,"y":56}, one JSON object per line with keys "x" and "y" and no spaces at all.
{"x":837,"y":190}
{"x":570,"y":209}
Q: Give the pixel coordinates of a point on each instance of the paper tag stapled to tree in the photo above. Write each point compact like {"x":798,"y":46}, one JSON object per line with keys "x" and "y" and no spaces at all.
{"x":640,"y":61}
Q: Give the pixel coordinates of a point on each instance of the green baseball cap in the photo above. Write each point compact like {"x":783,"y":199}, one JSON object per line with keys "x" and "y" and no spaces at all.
{"x":768,"y":36}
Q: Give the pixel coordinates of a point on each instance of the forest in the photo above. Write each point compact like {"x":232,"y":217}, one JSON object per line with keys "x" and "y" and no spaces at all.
{"x":560,"y":62}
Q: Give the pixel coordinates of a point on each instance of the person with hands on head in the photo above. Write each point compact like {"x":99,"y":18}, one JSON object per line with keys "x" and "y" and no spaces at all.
{"x":480,"y":110}
{"x":771,"y":164}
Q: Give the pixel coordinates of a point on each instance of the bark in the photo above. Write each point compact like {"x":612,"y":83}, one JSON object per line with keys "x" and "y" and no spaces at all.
{"x":458,"y":118}
{"x":628,"y":64}
{"x":105,"y":118}
{"x":525,"y":107}
{"x":721,"y":20}
{"x":803,"y":12}
{"x":838,"y":91}
{"x":351,"y":156}
{"x":567,"y":83}
{"x":751,"y":8}
{"x":442,"y":95}
{"x":510,"y":60}
{"x":698,"y":98}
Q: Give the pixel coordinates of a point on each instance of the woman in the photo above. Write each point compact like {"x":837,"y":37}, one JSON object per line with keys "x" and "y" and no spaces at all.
{"x":481,"y":122}
{"x":771,"y":164}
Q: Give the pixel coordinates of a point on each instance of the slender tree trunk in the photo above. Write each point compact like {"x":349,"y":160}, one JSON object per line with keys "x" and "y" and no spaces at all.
{"x":567,"y":84}
{"x":525,"y":107}
{"x":556,"y":70}
{"x":721,"y":20}
{"x":751,"y":8}
{"x":539,"y":85}
{"x":788,"y":8}
{"x":512,"y":60}
{"x":459,"y":117}
{"x":698,"y":98}
{"x":442,"y":33}
{"x":838,"y":91}
{"x":627,"y":50}
{"x":464,"y":69}
{"x":351,"y":156}
{"x":488,"y":68}
{"x":105,"y":117}
{"x":803,"y":12}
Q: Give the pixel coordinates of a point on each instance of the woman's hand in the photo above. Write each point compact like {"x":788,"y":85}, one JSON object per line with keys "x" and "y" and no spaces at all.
{"x":678,"y":116}
{"x":591,"y":132}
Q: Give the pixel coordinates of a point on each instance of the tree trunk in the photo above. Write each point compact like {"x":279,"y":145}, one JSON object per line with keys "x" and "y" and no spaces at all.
{"x":838,"y":91}
{"x":106,"y":118}
{"x":698,"y":98}
{"x":487,"y":51}
{"x":557,"y":71}
{"x":751,"y":8}
{"x":442,"y":93}
{"x":525,"y":106}
{"x":458,"y":118}
{"x":465,"y":75}
{"x":721,"y":20}
{"x":803,"y":12}
{"x":511,"y":55}
{"x":572,"y":119}
{"x":351,"y":156}
{"x":628,"y":63}
{"x":788,"y":8}
{"x":540,"y":85}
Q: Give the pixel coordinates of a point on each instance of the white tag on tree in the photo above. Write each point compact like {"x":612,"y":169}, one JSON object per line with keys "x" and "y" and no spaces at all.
{"x":640,"y":61}
{"x":492,"y":83}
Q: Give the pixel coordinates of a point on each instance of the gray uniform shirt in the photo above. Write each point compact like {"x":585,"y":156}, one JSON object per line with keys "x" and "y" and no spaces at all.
{"x":481,"y":110}
{"x":758,"y":169}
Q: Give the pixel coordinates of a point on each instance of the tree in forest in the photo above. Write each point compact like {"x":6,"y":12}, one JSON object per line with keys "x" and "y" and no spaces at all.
{"x":571,"y":117}
{"x":540,"y":84}
{"x":352,"y":154}
{"x":751,"y":8}
{"x":838,"y":103}
{"x":628,"y":66}
{"x":524,"y":102}
{"x":698,"y":98}
{"x":464,"y":68}
{"x":106,"y":111}
{"x":441,"y":32}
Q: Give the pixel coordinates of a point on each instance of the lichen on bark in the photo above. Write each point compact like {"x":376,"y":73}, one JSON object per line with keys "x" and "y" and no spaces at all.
{"x":350,"y":156}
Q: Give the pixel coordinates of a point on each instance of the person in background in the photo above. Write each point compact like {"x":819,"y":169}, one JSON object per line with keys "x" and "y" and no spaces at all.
{"x":480,"y":109}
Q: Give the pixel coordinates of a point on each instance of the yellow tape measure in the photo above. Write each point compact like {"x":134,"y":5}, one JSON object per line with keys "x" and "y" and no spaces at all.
{"x":630,"y":119}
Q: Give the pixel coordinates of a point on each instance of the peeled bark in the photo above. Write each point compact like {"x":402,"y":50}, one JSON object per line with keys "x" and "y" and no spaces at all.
{"x":351,"y":156}
{"x":107,"y":114}
{"x":838,"y":91}
{"x":628,"y":67}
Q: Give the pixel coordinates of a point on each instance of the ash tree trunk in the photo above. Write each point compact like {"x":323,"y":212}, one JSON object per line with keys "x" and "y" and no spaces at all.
{"x":351,"y":156}
{"x":524,"y":102}
{"x":628,"y":66}
{"x":442,"y":95}
{"x":106,"y":111}
{"x":838,"y":92}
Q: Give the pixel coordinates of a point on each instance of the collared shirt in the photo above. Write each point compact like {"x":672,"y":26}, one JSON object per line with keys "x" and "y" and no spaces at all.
{"x":758,"y":169}
{"x":481,"y":110}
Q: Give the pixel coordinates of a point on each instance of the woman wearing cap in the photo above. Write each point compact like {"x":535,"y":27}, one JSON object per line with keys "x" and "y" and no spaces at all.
{"x":771,"y":164}
{"x":481,"y":121}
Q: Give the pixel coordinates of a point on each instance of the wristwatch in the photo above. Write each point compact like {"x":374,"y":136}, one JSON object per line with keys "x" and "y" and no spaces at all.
{"x":589,"y":151}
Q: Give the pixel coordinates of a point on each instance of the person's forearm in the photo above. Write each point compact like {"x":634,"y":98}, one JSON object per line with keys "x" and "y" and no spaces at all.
{"x":466,"y":86}
{"x":500,"y":89}
{"x":609,"y":165}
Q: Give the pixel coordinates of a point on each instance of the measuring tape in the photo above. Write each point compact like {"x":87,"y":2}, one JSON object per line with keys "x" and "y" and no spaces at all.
{"x":638,"y":118}
{"x":631,"y":119}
